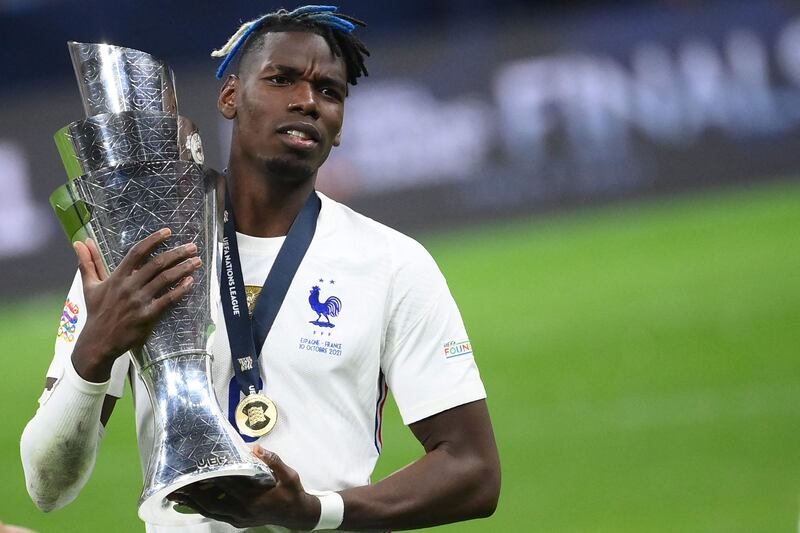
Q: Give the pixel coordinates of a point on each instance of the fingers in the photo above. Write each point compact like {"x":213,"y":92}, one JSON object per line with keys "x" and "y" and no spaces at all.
{"x":203,"y":505}
{"x":84,"y":261}
{"x":158,"y":265}
{"x":139,"y":252}
{"x":271,"y":459}
{"x":167,"y":299}
{"x":283,"y":473}
{"x":89,"y":275}
{"x":167,"y":278}
{"x":220,"y":518}
{"x":92,"y":263}
{"x":97,"y":259}
{"x":240,"y":487}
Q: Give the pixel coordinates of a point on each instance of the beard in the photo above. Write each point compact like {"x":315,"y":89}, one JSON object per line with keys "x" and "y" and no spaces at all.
{"x":291,"y":170}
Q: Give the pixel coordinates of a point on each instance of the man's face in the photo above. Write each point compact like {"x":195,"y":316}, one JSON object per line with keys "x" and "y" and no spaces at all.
{"x":287,"y":103}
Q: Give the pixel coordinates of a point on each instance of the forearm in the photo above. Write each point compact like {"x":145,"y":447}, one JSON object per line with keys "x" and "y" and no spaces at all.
{"x":59,"y":444}
{"x":458,"y":478}
{"x":439,"y":488}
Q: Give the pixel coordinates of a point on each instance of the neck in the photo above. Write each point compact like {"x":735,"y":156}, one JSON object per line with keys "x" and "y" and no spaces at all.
{"x":265,"y":206}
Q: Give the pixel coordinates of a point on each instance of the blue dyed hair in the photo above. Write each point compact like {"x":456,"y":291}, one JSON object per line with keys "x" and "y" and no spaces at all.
{"x":335,"y":28}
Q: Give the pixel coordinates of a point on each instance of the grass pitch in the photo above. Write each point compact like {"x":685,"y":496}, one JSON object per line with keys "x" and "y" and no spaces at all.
{"x":641,"y":362}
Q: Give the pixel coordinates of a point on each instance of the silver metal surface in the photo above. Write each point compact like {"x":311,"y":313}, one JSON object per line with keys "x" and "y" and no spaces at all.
{"x":118,"y":138}
{"x":136,"y":179}
{"x":127,"y":203}
{"x":113,"y":79}
{"x":192,"y":439}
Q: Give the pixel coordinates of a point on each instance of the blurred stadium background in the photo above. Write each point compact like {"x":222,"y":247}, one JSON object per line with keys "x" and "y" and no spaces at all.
{"x":611,"y":189}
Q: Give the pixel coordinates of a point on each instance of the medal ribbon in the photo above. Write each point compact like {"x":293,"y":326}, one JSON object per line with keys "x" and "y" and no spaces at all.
{"x":247,"y":337}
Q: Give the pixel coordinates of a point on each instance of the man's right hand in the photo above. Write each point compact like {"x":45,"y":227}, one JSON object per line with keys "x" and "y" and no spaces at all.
{"x":123,"y":307}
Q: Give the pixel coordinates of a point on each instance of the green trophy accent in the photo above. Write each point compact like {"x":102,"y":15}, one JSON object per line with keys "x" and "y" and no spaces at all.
{"x":71,"y":213}
{"x":183,"y":509}
{"x":66,"y":149}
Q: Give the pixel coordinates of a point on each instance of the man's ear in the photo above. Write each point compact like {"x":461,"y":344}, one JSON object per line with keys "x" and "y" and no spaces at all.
{"x":338,"y":139}
{"x":226,"y":103}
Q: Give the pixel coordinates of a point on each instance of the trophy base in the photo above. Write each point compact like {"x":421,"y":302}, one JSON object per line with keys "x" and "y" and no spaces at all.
{"x":192,"y":441}
{"x":156,"y":509}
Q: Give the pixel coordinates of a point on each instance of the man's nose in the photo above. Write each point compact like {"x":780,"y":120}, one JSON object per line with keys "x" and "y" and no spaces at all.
{"x":304,"y":100}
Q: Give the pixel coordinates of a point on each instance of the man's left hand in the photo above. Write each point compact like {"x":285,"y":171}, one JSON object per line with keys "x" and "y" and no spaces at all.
{"x":239,"y":501}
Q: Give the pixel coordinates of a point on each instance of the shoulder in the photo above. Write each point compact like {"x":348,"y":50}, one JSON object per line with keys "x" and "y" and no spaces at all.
{"x":372,"y":238}
{"x":376,"y":251}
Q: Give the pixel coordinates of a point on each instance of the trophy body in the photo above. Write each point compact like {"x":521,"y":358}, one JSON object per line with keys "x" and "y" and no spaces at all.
{"x":135,"y":166}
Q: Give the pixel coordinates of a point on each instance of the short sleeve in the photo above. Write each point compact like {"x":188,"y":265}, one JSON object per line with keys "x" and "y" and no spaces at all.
{"x":427,"y":357}
{"x":70,"y":324}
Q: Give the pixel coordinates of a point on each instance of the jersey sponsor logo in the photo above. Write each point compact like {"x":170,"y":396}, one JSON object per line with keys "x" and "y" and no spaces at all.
{"x":454,"y":349}
{"x":327,"y":309}
{"x":69,"y":321}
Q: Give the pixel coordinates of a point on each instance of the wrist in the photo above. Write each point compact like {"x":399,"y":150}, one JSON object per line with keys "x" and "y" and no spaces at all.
{"x":331,"y":511}
{"x":82,"y":385}
{"x":92,"y":362}
{"x":309,"y":515}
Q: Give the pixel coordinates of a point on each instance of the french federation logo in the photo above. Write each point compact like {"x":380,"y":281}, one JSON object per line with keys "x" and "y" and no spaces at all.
{"x":327,"y":309}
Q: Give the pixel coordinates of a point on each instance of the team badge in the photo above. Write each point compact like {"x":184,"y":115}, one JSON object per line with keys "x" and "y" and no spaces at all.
{"x":69,"y":321}
{"x":327,"y":309}
{"x":256,"y":415}
{"x":252,"y":292}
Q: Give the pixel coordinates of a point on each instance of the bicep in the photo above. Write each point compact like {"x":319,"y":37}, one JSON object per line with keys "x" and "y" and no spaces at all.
{"x":463,"y":430}
{"x":460,"y":448}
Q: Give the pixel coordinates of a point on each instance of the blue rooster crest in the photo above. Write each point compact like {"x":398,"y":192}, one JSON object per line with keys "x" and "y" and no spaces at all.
{"x":328,"y":308}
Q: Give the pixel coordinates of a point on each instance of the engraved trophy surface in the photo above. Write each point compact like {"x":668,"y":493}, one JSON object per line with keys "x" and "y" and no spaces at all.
{"x":113,"y":139}
{"x":135,"y":166}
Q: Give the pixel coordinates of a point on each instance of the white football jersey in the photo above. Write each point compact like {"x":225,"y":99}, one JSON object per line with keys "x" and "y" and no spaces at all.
{"x":368,"y":311}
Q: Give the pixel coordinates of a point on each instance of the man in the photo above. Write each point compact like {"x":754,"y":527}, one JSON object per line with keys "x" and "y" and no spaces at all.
{"x":388,"y":322}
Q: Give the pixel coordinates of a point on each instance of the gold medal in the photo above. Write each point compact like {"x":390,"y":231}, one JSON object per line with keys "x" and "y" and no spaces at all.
{"x":256,"y":415}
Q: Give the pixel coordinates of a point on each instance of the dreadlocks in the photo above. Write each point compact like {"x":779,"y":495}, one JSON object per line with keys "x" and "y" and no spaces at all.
{"x":336,"y":29}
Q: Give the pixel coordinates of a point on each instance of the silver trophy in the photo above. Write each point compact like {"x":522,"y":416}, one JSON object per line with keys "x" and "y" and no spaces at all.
{"x":135,"y":166}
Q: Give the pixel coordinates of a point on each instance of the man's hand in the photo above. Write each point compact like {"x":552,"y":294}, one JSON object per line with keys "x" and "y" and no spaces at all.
{"x":242,"y":503}
{"x":123,"y":307}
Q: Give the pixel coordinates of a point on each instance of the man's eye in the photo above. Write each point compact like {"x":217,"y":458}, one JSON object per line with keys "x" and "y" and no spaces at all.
{"x":279,"y":80}
{"x":332,"y":93}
